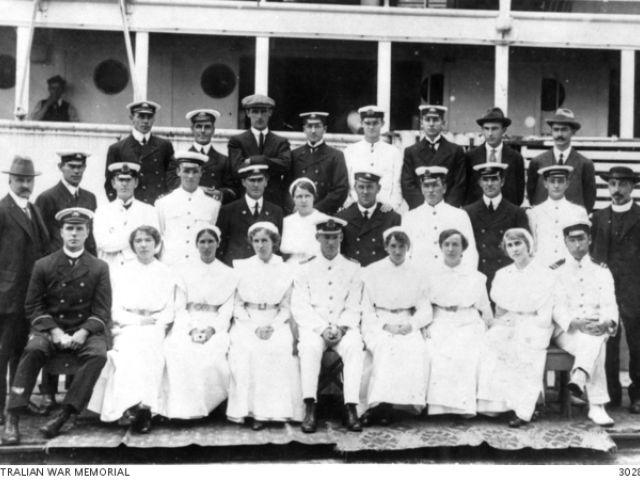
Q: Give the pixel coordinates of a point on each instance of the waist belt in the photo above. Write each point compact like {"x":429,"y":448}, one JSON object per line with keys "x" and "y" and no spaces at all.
{"x":410,"y":310}
{"x":202,"y":307}
{"x":142,"y":311}
{"x":261,"y":306}
{"x":452,"y":308}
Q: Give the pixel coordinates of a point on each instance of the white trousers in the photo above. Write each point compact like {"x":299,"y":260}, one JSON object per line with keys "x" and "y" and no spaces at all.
{"x":590,"y":353}
{"x":311,"y":346}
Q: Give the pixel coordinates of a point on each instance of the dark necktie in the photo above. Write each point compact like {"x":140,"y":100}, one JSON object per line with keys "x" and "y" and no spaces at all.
{"x":365,"y":214}
{"x":261,"y":143}
{"x":27,"y":212}
{"x":256,"y":210}
{"x":313,"y":148}
{"x":492,"y":156}
{"x":72,"y":261}
{"x":490,"y":207}
{"x":433,"y":146}
{"x":144,"y":141}
{"x":75,"y":196}
{"x":560,"y":159}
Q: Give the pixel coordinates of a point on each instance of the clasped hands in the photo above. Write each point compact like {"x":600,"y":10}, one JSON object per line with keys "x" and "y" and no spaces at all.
{"x":592,"y":326}
{"x":398,"y":328}
{"x":201,"y":335}
{"x":64,"y":341}
{"x":333,"y":334}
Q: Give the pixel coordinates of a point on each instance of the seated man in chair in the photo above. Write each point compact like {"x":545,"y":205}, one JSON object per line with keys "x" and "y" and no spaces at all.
{"x":587,"y":314}
{"x":69,"y":305}
{"x":325,"y":304}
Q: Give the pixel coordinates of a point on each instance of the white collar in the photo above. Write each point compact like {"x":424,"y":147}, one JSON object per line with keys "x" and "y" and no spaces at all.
{"x":495,"y":200}
{"x":189,"y":194}
{"x":22,"y":202}
{"x":437,"y":206}
{"x":622,"y":208}
{"x":122,"y":203}
{"x":207,"y":148}
{"x":369,"y":210}
{"x":435,"y":140}
{"x":317,"y":144}
{"x":72,"y":254}
{"x":252,"y":201}
{"x":498,"y":149}
{"x":139,"y":136}
{"x":256,"y":132}
{"x":72,"y":189}
{"x":565,"y":154}
{"x":575,"y":263}
{"x":557,"y":203}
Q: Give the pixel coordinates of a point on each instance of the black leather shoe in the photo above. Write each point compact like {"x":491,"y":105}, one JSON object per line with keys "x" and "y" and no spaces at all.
{"x":49,"y":403}
{"x":52,"y":427}
{"x":142,"y":421}
{"x":635,"y":406}
{"x":517,"y":422}
{"x":257,"y":425}
{"x":352,"y":421}
{"x":309,"y":424}
{"x":11,"y":435}
{"x":365,"y":419}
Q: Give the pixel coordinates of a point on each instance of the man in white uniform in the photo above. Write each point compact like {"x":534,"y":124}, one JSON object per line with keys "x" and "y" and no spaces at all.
{"x":374,"y":153}
{"x":586,"y":315}
{"x":185,"y":210}
{"x":114,"y":222}
{"x":425,"y":223}
{"x":325,"y":304}
{"x":547,"y":219}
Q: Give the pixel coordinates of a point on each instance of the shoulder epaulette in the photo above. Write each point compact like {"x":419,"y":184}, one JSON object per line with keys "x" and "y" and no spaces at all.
{"x":307,"y":260}
{"x":557,"y":264}
{"x":600,"y":264}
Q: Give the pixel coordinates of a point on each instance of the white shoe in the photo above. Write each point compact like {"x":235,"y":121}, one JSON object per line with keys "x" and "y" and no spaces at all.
{"x":598,"y":415}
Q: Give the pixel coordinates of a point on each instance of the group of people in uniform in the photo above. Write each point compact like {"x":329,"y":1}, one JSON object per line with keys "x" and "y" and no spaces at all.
{"x":210,"y":278}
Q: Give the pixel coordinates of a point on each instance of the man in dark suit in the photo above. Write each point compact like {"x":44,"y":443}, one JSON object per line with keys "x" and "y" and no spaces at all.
{"x":616,"y":242}
{"x":491,"y":216}
{"x":217,"y":175}
{"x":320,"y":163}
{"x":434,"y":150}
{"x":23,"y":240}
{"x":69,"y":307}
{"x":66,"y":194}
{"x":54,"y":108}
{"x":236,"y":217}
{"x":494,"y":126}
{"x":582,"y":186}
{"x":155,"y":155}
{"x":362,"y":240}
{"x":259,"y":145}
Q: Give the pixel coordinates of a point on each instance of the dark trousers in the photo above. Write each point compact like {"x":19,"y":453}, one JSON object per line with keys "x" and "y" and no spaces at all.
{"x":13,"y":337}
{"x":631,"y":325}
{"x":91,"y":356}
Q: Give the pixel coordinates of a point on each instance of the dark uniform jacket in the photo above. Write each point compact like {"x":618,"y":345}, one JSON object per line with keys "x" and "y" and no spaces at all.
{"x":234,"y":221}
{"x":70,"y":297}
{"x":582,"y":189}
{"x":157,"y":173}
{"x":276,"y":153}
{"x":488,"y":229}
{"x":447,"y":155}
{"x":513,"y":189}
{"x":620,"y":251}
{"x":217,"y":173}
{"x":362,"y":240}
{"x":326,"y":167}
{"x":58,"y":198}
{"x":22,"y":242}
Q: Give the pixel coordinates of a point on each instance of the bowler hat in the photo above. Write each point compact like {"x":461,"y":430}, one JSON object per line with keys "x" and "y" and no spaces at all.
{"x":22,"y":166}
{"x":620,"y":173}
{"x":494,"y":114}
{"x":564,"y":116}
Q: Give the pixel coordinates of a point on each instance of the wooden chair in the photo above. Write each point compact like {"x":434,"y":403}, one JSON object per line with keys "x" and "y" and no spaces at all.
{"x":561,"y":363}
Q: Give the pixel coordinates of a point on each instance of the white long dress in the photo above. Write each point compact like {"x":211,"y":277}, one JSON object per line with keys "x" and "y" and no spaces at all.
{"x":299,"y":236}
{"x":265,"y":375}
{"x":135,"y":364}
{"x":197,"y":375}
{"x":460,"y":302}
{"x":514,"y":353}
{"x":396,"y":294}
